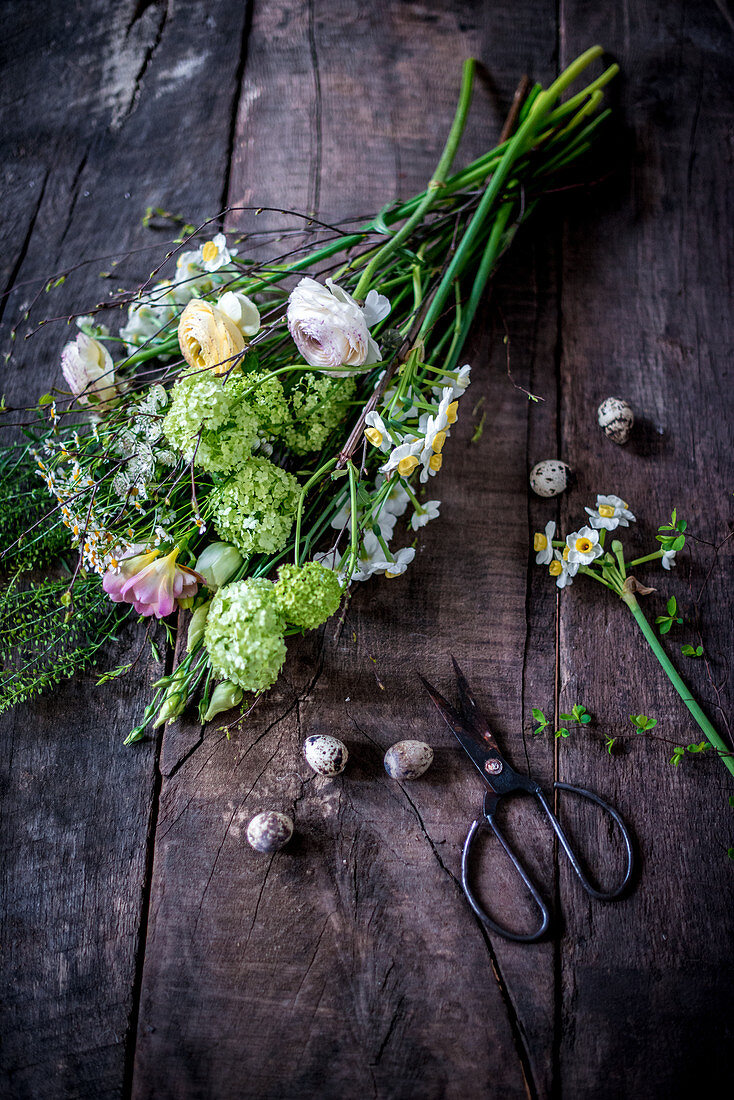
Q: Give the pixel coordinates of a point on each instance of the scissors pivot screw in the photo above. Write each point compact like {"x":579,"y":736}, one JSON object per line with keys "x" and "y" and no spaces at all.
{"x":494,"y":767}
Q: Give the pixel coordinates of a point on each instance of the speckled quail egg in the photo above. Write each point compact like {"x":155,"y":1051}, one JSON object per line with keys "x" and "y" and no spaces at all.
{"x":326,"y":755}
{"x":550,"y":477}
{"x":269,"y":831}
{"x":616,"y":419}
{"x":408,"y":759}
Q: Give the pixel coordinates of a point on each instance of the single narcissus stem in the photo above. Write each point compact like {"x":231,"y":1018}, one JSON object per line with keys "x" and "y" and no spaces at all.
{"x":714,"y":739}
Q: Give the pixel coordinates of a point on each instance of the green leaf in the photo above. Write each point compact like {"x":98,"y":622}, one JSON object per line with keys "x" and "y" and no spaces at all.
{"x":610,"y":743}
{"x":113,"y":674}
{"x":642,"y":722}
{"x":567,"y":717}
{"x":538,"y":715}
{"x":562,"y":732}
{"x":730,"y":853}
{"x":731,"y":799}
{"x":665,"y":626}
{"x":46,"y":399}
{"x":585,"y":719}
{"x":689,"y":651}
{"x":672,"y":606}
{"x":681,"y":525}
{"x":678,"y":754}
{"x":679,"y":543}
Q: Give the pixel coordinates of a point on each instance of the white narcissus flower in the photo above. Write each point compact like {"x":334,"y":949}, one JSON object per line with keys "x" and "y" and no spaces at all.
{"x":458,"y":385}
{"x":668,"y":559}
{"x":242,"y":310}
{"x":562,"y":569}
{"x":401,"y":561}
{"x":214,"y":254}
{"x":89,"y":371}
{"x":330,"y":329}
{"x":543,"y":543}
{"x":404,"y":457}
{"x":610,"y":512}
{"x":583,"y":546}
{"x":376,"y":432}
{"x":429,"y":510}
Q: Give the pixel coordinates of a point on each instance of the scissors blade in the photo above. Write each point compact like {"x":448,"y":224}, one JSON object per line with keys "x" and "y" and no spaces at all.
{"x":474,"y":720}
{"x":481,"y":749}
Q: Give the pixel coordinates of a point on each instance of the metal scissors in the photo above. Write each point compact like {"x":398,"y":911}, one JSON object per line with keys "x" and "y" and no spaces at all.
{"x":474,"y":735}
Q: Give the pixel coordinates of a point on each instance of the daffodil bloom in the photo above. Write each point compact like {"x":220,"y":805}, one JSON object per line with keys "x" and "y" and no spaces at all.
{"x":583,"y":546}
{"x":151,"y":583}
{"x":404,"y":457}
{"x":429,"y":510}
{"x":214,"y":254}
{"x":563,"y":570}
{"x":376,"y":432}
{"x":610,"y":512}
{"x":668,"y":559}
{"x":543,"y":543}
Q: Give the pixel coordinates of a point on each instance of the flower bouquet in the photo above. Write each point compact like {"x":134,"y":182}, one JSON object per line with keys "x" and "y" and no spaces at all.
{"x":259,"y":435}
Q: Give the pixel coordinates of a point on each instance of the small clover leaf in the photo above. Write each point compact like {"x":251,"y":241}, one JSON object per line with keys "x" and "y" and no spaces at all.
{"x":540,"y":718}
{"x":678,"y":753}
{"x":562,"y":732}
{"x":642,"y":722}
{"x":689,"y":651}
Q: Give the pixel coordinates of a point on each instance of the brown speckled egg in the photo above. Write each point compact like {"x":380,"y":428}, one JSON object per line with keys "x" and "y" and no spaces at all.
{"x":550,"y":477}
{"x":269,"y":831}
{"x":326,"y":755}
{"x":616,"y":419}
{"x":408,"y":759}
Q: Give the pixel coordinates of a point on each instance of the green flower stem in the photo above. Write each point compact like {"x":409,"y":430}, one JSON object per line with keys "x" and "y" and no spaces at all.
{"x":354,"y":519}
{"x":649,"y":557}
{"x":301,"y":502}
{"x":436,"y":183}
{"x":654,"y":642}
{"x":414,"y":499}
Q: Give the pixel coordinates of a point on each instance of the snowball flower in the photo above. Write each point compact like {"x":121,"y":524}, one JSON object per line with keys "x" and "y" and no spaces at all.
{"x":583,"y":547}
{"x":151,"y":583}
{"x":89,"y":371}
{"x":429,"y":511}
{"x":543,"y":544}
{"x":215,"y":254}
{"x":244,"y":634}
{"x":330,"y":329}
{"x":242,"y":310}
{"x":610,"y":512}
{"x":307,"y":595}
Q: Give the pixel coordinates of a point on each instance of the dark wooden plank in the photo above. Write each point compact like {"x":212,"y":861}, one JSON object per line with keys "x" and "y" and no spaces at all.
{"x":105,"y":112}
{"x":645,"y":1001}
{"x":353,"y":957}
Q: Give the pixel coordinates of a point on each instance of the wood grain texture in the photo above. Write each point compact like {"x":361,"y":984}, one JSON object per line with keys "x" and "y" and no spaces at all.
{"x":96,"y":127}
{"x":148,"y":951}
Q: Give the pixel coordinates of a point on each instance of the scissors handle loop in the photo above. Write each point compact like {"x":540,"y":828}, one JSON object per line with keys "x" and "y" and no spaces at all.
{"x":488,"y":822}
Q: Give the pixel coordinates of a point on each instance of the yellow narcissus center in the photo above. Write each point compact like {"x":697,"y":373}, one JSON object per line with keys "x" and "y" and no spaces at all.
{"x":391,"y":576}
{"x":374,"y":435}
{"x":584,"y":545}
{"x":451,"y":412}
{"x":540,"y":542}
{"x":407,"y":465}
{"x":438,"y":441}
{"x":555,"y":568}
{"x":209,"y":252}
{"x":435,"y":462}
{"x":606,"y":510}
{"x":565,"y":553}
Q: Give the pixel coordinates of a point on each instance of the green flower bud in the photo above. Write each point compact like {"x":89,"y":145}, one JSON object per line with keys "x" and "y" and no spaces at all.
{"x":173,"y":705}
{"x":226,"y":695}
{"x":196,"y":626}
{"x":217,"y":563}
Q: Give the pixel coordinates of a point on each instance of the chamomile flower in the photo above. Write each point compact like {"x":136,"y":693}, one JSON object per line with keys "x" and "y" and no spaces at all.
{"x":543,"y":543}
{"x":376,"y":432}
{"x":428,"y":511}
{"x":610,"y":512}
{"x":583,"y":546}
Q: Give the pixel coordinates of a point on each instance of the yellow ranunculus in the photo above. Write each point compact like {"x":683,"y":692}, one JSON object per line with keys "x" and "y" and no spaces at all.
{"x":209,"y":339}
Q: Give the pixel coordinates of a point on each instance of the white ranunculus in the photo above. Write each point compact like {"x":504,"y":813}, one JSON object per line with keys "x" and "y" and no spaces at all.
{"x":89,"y":371}
{"x":242,"y":310}
{"x":331,"y":330}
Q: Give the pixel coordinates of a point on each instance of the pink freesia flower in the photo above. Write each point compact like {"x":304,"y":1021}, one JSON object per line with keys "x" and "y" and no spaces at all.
{"x":151,"y":583}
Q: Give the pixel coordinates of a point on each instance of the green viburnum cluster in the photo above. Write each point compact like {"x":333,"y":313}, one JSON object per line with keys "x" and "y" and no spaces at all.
{"x":244,"y":634}
{"x":307,"y":595}
{"x":255,"y":507}
{"x":318,"y":405}
{"x":222,"y":420}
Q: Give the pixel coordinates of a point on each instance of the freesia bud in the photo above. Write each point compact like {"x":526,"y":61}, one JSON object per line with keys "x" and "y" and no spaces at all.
{"x":225,"y":696}
{"x":242,"y":310}
{"x":89,"y":371}
{"x":209,"y":338}
{"x":217,"y":563}
{"x":196,"y":626}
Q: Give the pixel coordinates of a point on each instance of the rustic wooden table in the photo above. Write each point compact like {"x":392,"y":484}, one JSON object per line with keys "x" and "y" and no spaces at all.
{"x":147,"y":951}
